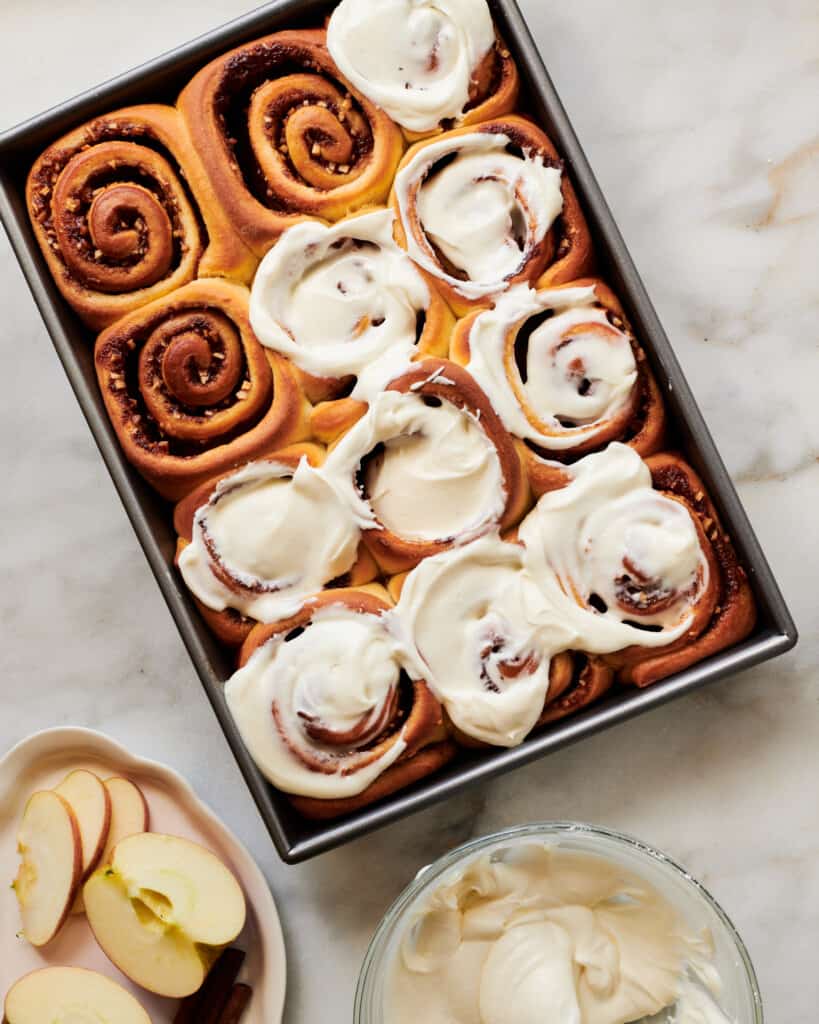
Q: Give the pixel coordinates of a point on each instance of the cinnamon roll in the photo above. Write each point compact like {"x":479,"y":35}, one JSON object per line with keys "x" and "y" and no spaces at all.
{"x":347,"y":307}
{"x":326,"y":709}
{"x":445,"y":66}
{"x":282,"y":136}
{"x":116,"y":207}
{"x":484,"y":637}
{"x":639,"y":574}
{"x":429,"y":465}
{"x":484,"y":208}
{"x":565,"y":374}
{"x":191,"y":392}
{"x":258,"y":541}
{"x":575,"y":681}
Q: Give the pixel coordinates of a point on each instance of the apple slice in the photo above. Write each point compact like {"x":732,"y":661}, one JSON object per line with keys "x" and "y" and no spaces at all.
{"x":129,"y":815}
{"x":91,"y":805}
{"x":71,"y":994}
{"x":50,"y":865}
{"x":162,"y":910}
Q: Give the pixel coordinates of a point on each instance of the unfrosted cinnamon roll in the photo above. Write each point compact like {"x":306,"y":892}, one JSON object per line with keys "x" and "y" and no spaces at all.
{"x":444,"y":66}
{"x":189,"y":389}
{"x":282,"y":136}
{"x":116,"y":207}
{"x":564,"y":373}
{"x":429,"y":465}
{"x":325,"y":707}
{"x":639,"y":574}
{"x":348,"y":308}
{"x":256,"y":542}
{"x":484,"y":208}
{"x":484,"y":637}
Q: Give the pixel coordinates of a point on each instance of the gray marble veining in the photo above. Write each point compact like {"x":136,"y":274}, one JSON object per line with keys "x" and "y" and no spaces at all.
{"x":700,"y":121}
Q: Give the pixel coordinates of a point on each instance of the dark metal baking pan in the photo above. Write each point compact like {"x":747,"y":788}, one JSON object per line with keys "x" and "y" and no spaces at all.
{"x":160,"y":80}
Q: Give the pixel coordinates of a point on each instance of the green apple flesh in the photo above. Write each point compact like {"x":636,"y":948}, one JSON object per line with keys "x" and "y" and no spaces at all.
{"x":71,"y":995}
{"x":162,"y":910}
{"x":50,"y":865}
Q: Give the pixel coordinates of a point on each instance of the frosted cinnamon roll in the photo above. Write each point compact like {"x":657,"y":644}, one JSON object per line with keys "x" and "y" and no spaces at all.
{"x":116,"y":207}
{"x":429,"y":465}
{"x":265,"y":537}
{"x":191,"y":392}
{"x":326,"y":709}
{"x":483,"y":208}
{"x":564,"y":372}
{"x":282,"y":136}
{"x":484,"y":637}
{"x":346,"y":306}
{"x":630,"y":568}
{"x":444,"y":66}
{"x":576,"y":680}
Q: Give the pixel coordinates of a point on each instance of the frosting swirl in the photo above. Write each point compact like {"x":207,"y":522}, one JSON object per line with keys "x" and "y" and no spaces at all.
{"x":484,"y":636}
{"x":421,"y":74}
{"x":267,"y":537}
{"x":620,"y":562}
{"x":341,"y":301}
{"x":427,"y":470}
{"x":476,"y":209}
{"x":332,"y":682}
{"x":558,"y":372}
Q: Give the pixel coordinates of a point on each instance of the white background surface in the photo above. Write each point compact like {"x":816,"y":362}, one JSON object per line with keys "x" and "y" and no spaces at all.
{"x":699,"y":119}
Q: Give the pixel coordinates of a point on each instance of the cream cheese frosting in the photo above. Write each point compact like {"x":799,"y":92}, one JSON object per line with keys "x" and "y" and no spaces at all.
{"x":484,"y":637}
{"x":340,"y":300}
{"x":276,"y":534}
{"x":485,"y":210}
{"x":540,"y":935}
{"x":338,"y":673}
{"x":413,"y":58}
{"x":580,"y":370}
{"x":608,"y":541}
{"x":437,"y":477}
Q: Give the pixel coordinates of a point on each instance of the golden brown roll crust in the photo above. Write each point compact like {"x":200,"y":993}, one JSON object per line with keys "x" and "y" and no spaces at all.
{"x":575,"y":681}
{"x":189,"y":389}
{"x":418,"y":720}
{"x":641,"y":424}
{"x":394,"y":553}
{"x":282,"y":136}
{"x":725,"y":613}
{"x":124,"y":216}
{"x":564,"y":254}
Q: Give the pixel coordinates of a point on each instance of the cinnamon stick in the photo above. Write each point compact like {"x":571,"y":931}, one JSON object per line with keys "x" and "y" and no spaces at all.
{"x":235,"y":1007}
{"x":206,"y":1005}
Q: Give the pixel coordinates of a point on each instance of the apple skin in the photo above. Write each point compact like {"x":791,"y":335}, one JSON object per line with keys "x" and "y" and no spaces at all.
{"x":48,"y":800}
{"x":82,"y":785}
{"x":44,"y":994}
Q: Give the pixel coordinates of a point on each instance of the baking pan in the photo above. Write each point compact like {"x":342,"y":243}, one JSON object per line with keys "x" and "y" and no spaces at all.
{"x":160,"y":80}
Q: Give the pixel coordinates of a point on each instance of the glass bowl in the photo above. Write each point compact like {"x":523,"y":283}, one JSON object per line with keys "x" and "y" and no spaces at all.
{"x":740,"y":998}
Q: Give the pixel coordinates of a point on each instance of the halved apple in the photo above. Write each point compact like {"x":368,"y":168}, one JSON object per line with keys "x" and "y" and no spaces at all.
{"x":162,"y":910}
{"x":129,"y":815}
{"x":91,"y":804}
{"x":71,"y":995}
{"x":50,"y":865}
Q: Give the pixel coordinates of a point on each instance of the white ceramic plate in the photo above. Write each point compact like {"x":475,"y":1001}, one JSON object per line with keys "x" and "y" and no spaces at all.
{"x":40,"y":762}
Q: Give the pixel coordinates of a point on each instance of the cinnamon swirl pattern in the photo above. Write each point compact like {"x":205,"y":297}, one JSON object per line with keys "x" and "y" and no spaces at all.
{"x":445,"y":65}
{"x":564,"y":372}
{"x":633,"y":569}
{"x":418,"y":457}
{"x":325,"y":706}
{"x":189,"y":389}
{"x":344,"y":303}
{"x":123,"y":215}
{"x":429,"y":466}
{"x":282,"y":136}
{"x":485,"y":208}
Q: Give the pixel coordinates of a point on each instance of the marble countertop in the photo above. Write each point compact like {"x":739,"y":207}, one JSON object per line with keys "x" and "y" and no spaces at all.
{"x":698,"y":120}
